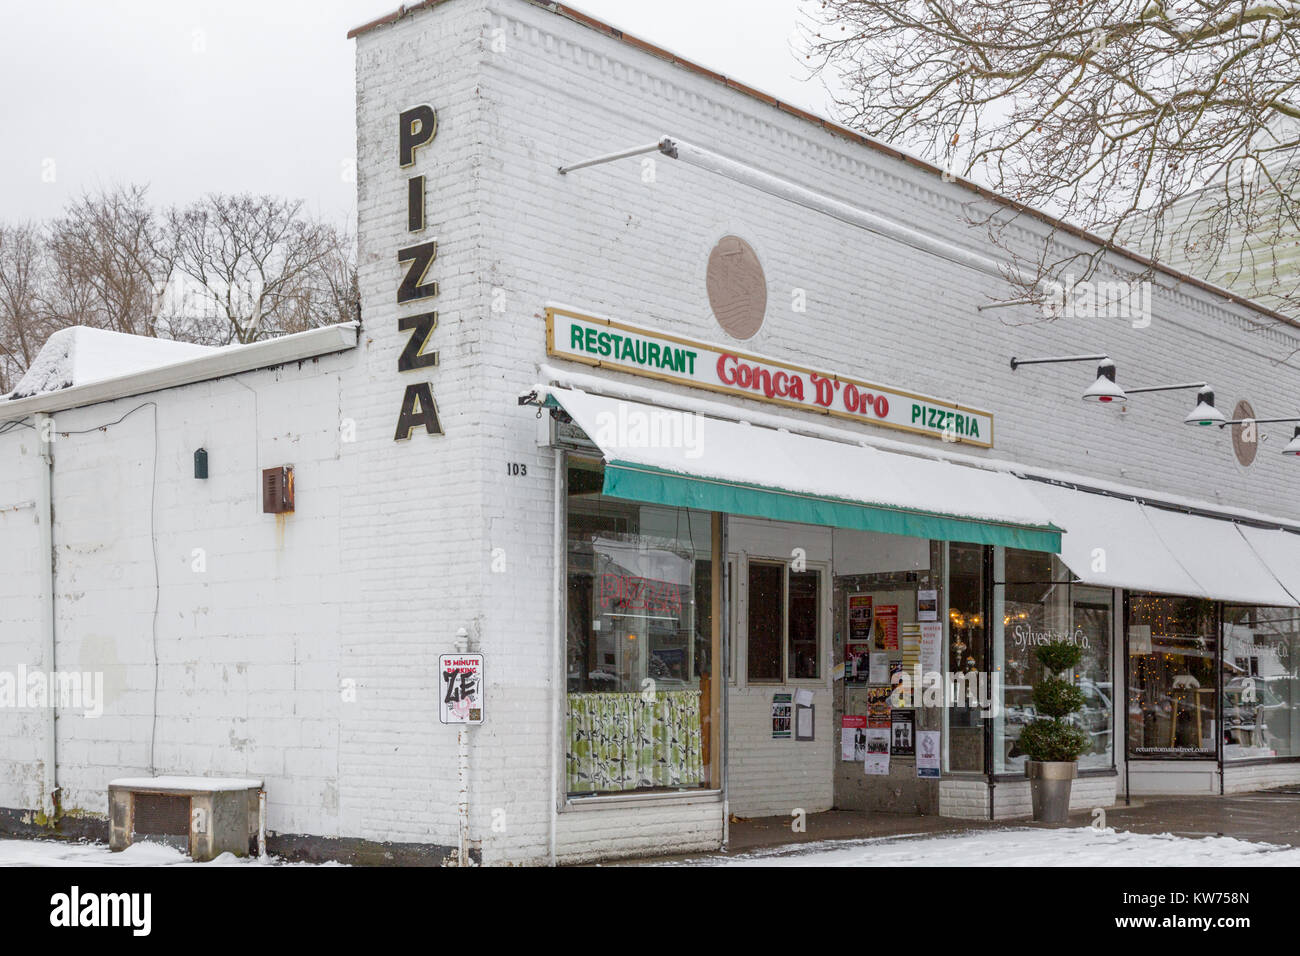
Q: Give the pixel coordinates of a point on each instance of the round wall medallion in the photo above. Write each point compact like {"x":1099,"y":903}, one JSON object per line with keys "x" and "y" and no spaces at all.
{"x":1244,"y":450}
{"x":737,"y":287}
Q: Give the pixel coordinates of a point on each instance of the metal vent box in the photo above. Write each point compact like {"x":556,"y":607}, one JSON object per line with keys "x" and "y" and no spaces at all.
{"x":277,"y":490}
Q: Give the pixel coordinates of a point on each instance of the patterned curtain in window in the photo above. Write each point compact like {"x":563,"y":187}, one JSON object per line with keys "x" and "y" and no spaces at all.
{"x":622,"y":742}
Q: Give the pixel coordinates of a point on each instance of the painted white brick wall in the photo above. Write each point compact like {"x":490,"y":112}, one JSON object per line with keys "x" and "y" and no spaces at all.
{"x":21,"y":730}
{"x":1259,"y":777}
{"x":604,"y":240}
{"x":246,"y":637}
{"x":649,"y":830}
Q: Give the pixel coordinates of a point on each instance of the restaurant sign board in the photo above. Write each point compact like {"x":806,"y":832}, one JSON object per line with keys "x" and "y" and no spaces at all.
{"x":605,"y":343}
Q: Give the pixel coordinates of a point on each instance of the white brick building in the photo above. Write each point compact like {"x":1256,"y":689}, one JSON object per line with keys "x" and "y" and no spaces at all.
{"x":302,"y":648}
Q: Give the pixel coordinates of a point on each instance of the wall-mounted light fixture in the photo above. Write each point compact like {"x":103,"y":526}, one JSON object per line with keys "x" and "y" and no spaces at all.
{"x":1292,"y":447}
{"x":1105,"y":390}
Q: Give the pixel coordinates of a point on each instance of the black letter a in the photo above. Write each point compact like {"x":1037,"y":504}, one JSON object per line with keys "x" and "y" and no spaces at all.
{"x":418,"y":408}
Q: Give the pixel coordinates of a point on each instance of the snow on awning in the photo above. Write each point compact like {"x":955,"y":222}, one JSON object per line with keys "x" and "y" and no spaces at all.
{"x":1117,"y":542}
{"x":664,"y":456}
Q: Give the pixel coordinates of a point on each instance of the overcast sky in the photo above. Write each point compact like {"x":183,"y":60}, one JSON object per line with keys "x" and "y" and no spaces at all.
{"x":195,"y":96}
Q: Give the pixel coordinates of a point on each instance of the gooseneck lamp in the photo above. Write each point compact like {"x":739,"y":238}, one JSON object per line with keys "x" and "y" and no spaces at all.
{"x":1205,"y":413}
{"x":1104,"y":389}
{"x":1292,"y":447}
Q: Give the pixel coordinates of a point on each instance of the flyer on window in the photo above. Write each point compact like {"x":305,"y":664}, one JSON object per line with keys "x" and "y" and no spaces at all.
{"x":885,"y":629}
{"x":902,"y":728}
{"x":860,"y":618}
{"x":878,"y":707}
{"x":927,"y":753}
{"x":877,"y":759}
{"x":857,"y":662}
{"x":879,"y":669}
{"x":853,"y":737}
{"x":927,"y":605}
{"x":900,"y":684}
{"x":932,"y":650}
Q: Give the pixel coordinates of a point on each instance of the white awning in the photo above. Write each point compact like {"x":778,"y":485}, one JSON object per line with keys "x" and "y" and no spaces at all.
{"x":1280,"y":550}
{"x":1117,"y":542}
{"x":665,"y":456}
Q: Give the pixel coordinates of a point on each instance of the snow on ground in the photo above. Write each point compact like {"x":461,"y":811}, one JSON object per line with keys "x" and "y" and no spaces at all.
{"x":1022,"y":846}
{"x":58,"y":853}
{"x":1012,"y":846}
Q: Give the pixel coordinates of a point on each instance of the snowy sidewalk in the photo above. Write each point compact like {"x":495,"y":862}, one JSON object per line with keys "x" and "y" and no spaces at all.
{"x":59,"y":853}
{"x":1019,"y":846}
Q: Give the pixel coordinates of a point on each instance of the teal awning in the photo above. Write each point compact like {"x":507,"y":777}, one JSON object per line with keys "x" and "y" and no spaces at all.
{"x":637,"y":483}
{"x":659,"y":455}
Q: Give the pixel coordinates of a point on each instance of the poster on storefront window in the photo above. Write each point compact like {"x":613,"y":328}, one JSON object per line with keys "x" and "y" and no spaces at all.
{"x":900,"y":684}
{"x":878,"y":707}
{"x":860,"y":619}
{"x":857,"y":662}
{"x":902,"y":728}
{"x":927,"y":605}
{"x":927,"y":753}
{"x":853,"y":737}
{"x":879,"y":672}
{"x":877,"y":759}
{"x":885,"y":628}
{"x":932,"y":648}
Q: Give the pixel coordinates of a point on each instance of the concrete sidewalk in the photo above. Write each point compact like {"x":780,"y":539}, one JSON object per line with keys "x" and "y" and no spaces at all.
{"x":1271,"y":816}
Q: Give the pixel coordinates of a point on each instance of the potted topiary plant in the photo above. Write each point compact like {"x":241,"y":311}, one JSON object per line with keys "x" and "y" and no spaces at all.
{"x":1052,"y":744}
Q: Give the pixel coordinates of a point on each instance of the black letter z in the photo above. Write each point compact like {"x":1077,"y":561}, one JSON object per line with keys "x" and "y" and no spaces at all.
{"x":420,"y":257}
{"x":420,"y":327}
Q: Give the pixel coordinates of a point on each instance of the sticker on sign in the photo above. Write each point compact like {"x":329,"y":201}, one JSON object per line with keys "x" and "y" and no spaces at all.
{"x":460,"y":681}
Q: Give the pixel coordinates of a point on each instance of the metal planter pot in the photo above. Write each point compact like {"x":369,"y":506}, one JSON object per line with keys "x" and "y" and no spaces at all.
{"x":1049,"y":788}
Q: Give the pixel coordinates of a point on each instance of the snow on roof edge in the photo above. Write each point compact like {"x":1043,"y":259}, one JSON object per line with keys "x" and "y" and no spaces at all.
{"x":222,"y":362}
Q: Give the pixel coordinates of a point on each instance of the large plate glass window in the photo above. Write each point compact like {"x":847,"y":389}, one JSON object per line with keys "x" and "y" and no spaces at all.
{"x":1261,"y":682}
{"x":1172,"y":676}
{"x":640,"y":643}
{"x":1036,"y":603}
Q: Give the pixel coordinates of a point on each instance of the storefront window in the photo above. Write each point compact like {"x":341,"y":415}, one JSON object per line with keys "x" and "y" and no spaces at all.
{"x":765,"y":617}
{"x":782,"y":623}
{"x":639,"y":642}
{"x":1261,"y":682}
{"x":1172,"y":647}
{"x":1036,"y":604}
{"x":967,"y":664}
{"x":804,"y":599}
{"x":1092,"y":610}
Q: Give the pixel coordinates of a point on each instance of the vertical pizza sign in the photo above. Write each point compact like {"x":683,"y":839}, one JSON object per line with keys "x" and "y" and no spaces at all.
{"x":460,"y":680}
{"x":416,"y":128}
